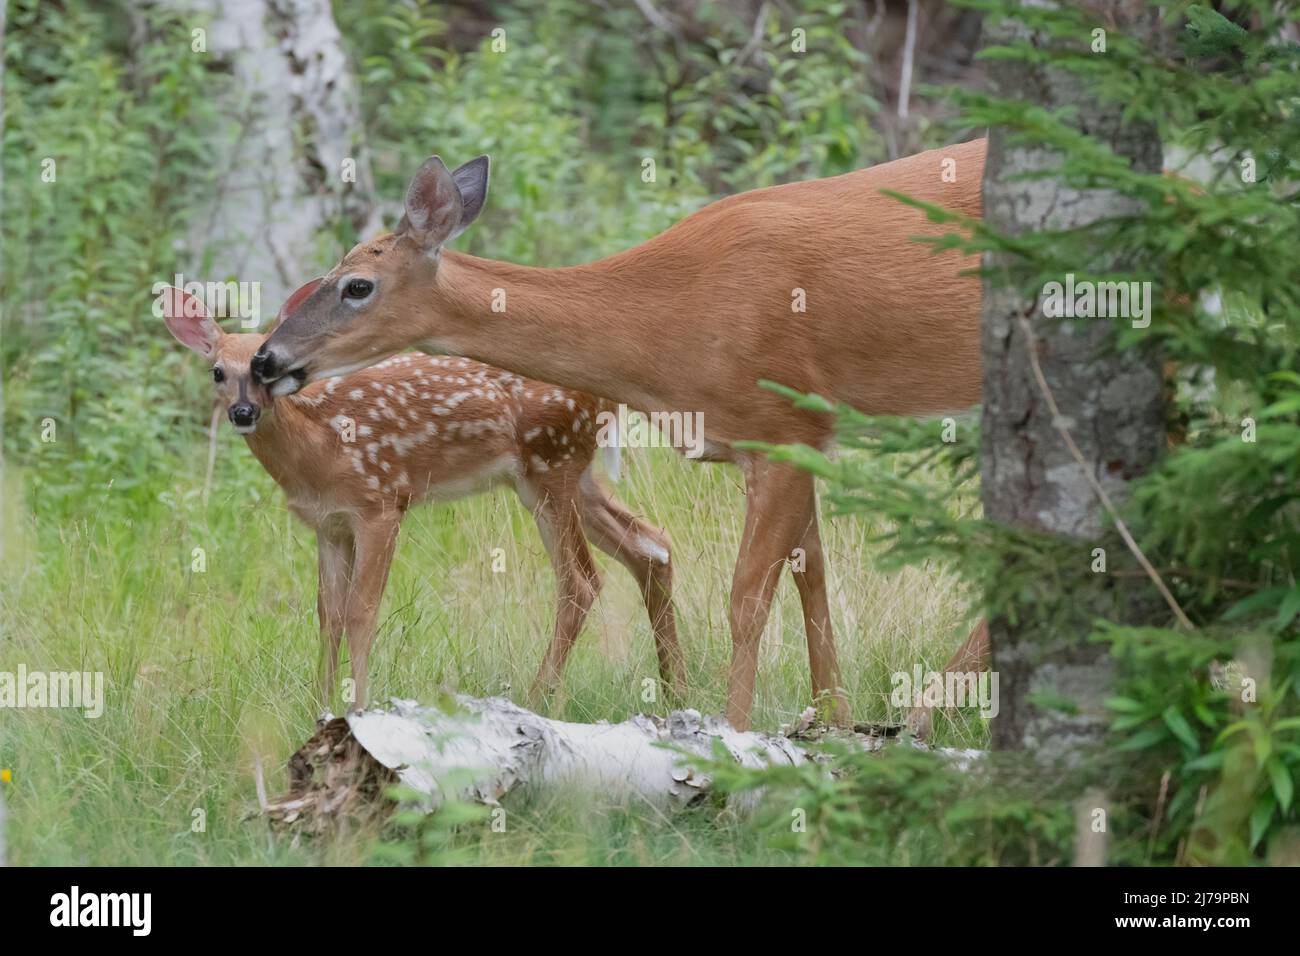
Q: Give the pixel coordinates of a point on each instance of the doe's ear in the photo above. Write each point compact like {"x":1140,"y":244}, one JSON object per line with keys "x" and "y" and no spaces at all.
{"x":189,"y":320}
{"x":472,"y":181}
{"x":433,"y":206}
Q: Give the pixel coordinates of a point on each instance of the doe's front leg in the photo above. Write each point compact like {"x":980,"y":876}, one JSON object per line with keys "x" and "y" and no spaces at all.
{"x":780,"y":515}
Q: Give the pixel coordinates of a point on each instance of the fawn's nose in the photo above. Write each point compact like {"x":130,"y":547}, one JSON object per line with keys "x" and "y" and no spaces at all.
{"x":244,"y":414}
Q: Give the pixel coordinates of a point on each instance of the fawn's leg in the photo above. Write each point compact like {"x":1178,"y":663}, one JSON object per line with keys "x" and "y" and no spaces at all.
{"x":334,"y":552}
{"x":780,"y":507}
{"x":576,"y":577}
{"x":376,"y":539}
{"x":972,"y":656}
{"x":647,"y":553}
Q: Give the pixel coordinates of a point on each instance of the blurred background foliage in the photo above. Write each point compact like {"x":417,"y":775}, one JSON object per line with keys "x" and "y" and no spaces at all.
{"x":80,"y":258}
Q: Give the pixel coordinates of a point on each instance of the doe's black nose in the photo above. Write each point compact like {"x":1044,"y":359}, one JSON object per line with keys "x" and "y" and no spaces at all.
{"x":264,"y":366}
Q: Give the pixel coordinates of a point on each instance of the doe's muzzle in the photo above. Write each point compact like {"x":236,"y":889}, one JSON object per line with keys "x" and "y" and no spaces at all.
{"x":270,"y":365}
{"x":265,"y":366}
{"x":271,"y":371}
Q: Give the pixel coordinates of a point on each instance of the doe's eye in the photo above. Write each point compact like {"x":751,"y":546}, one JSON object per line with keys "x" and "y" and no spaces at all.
{"x":218,"y":375}
{"x":358,"y":289}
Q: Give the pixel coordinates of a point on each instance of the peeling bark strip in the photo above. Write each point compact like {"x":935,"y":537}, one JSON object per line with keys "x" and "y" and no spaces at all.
{"x":493,"y":749}
{"x":295,"y":110}
{"x":1111,"y":400}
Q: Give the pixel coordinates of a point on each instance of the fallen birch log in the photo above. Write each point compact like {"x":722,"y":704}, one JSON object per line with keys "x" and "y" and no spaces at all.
{"x":491,"y":748}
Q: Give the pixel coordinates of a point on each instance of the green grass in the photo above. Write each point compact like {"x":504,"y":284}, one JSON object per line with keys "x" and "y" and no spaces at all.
{"x":209,"y":673}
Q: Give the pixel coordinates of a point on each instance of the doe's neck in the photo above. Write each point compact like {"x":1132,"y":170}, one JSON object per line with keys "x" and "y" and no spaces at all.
{"x":574,"y":326}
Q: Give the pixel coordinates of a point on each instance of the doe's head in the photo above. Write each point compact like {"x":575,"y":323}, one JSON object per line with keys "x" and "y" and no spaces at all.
{"x":229,"y":355}
{"x":360,"y":312}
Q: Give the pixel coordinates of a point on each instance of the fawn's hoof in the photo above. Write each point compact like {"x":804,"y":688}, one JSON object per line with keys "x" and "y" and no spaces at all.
{"x":919,"y":722}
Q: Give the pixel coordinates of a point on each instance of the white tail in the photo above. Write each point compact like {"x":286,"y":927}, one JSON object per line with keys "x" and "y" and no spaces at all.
{"x":354,"y":453}
{"x":819,"y":286}
{"x":613,"y":452}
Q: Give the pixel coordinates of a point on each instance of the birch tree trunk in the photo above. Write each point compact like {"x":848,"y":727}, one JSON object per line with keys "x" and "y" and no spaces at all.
{"x":290,"y":157}
{"x":1110,"y":399}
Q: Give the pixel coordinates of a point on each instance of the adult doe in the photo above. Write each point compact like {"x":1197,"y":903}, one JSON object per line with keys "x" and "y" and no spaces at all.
{"x":817,"y":285}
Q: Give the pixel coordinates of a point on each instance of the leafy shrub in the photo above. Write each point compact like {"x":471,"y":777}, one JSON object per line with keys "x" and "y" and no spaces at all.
{"x":82,"y":252}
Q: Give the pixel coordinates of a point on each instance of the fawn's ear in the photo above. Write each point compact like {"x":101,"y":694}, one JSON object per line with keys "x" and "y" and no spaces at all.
{"x":433,"y":206}
{"x":296,"y":298}
{"x":189,"y":320}
{"x":472,"y":181}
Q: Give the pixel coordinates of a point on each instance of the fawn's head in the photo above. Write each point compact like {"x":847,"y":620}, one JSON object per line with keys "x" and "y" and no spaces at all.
{"x":362,"y":311}
{"x":230,"y":356}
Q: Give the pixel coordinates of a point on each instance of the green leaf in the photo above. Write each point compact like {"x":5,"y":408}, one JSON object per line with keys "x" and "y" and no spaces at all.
{"x":1289,"y":608}
{"x":1256,"y":601}
{"x":1146,"y":739}
{"x":1177,"y":723}
{"x":1205,"y":715}
{"x":1260,"y":818}
{"x":1125,"y":704}
{"x":1210,"y":761}
{"x":1283,"y":785}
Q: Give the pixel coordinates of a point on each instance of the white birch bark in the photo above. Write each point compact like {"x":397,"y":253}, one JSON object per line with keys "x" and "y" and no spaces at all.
{"x":504,"y":747}
{"x":293,"y":117}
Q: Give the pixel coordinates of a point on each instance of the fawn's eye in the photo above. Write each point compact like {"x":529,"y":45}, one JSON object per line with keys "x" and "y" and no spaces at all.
{"x":358,"y":288}
{"x":218,"y":375}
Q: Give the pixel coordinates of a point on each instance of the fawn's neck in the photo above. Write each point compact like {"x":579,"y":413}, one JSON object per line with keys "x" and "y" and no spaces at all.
{"x":287,"y":442}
